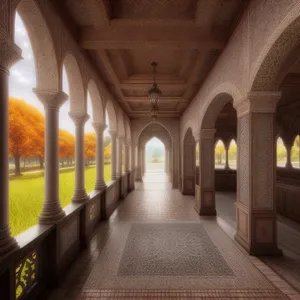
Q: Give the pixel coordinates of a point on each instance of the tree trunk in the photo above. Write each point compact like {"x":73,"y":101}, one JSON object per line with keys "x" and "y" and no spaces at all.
{"x":41,"y":163}
{"x":17,"y":165}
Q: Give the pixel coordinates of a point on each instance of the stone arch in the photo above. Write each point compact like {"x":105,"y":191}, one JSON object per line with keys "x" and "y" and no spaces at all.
{"x":189,"y":163}
{"x":111,"y":115}
{"x":155,"y":130}
{"x":97,"y":103}
{"x":217,"y":99}
{"x":77,"y":93}
{"x":213,"y":110}
{"x":280,"y":45}
{"x":48,"y":77}
{"x":121,"y":124}
{"x":127,"y":129}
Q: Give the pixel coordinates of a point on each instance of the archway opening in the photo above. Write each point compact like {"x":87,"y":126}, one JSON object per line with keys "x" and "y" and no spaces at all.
{"x":155,"y":154}
{"x":281,"y":153}
{"x":232,"y":155}
{"x":190,"y":152}
{"x":220,"y":155}
{"x":26,"y":136}
{"x":107,"y":149}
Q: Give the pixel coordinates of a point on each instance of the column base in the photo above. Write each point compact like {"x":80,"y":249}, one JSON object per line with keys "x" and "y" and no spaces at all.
{"x":100,"y":185}
{"x":7,"y":243}
{"x":80,"y":196}
{"x":51,"y":215}
{"x":207,"y":211}
{"x":257,"y":249}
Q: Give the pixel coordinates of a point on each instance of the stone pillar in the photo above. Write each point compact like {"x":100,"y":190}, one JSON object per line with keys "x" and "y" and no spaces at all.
{"x":126,"y":162}
{"x":143,"y":162}
{"x":80,"y":194}
{"x":52,"y":211}
{"x":10,"y":54}
{"x":139,"y":165}
{"x":256,"y":174}
{"x":132,"y":165}
{"x":226,"y":157}
{"x":113,"y":159}
{"x":288,"y":147}
{"x":119,"y":156}
{"x":205,"y":204}
{"x":100,"y":183}
{"x":167,"y":161}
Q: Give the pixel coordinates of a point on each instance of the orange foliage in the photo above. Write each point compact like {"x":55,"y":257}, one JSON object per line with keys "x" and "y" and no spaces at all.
{"x":107,"y":152}
{"x":90,"y":145}
{"x":66,"y":144}
{"x":26,"y":129}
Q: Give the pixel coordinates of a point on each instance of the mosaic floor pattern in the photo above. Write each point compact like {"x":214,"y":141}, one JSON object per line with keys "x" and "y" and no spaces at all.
{"x":155,"y":246}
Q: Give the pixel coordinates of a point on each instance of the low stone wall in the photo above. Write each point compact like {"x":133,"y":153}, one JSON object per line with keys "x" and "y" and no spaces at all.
{"x":287,"y":189}
{"x":46,"y":252}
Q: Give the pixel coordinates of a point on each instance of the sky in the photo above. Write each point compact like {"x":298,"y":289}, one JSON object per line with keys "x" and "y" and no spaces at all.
{"x":155,"y":142}
{"x":23,"y":79}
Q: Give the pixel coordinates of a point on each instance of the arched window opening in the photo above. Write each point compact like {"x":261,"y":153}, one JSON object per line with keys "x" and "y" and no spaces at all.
{"x":281,"y":153}
{"x":123,"y":158}
{"x":232,"y":150}
{"x":66,"y":148}
{"x":295,"y":153}
{"x":155,"y":156}
{"x":197,"y":157}
{"x":107,"y":150}
{"x":26,"y":138}
{"x":89,"y":149}
{"x":220,"y":155}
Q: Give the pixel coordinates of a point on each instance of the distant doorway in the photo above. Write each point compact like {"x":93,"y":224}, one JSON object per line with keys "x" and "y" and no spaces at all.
{"x":155,"y":156}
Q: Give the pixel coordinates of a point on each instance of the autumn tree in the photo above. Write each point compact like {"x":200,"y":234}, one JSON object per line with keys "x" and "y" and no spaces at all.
{"x":219,"y":152}
{"x":90,"y":146}
{"x":107,"y":152}
{"x":66,"y":145}
{"x":26,"y":131}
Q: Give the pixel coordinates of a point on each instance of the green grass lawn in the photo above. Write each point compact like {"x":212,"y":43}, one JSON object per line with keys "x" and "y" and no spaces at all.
{"x":26,"y":194}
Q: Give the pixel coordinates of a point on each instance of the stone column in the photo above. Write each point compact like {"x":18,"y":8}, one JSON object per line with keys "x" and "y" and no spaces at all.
{"x":10,"y":54}
{"x":288,"y":147}
{"x":132,"y":165}
{"x":205,"y":204}
{"x":139,"y":165}
{"x":52,"y":211}
{"x":256,"y":174}
{"x":100,"y":183}
{"x":226,"y":157}
{"x":119,"y":156}
{"x":143,"y":162}
{"x":126,"y":162}
{"x":113,"y":135}
{"x":167,"y":161}
{"x":80,"y":194}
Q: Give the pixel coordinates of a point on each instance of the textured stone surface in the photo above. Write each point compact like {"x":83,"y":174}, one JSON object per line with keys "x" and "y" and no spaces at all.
{"x":164,"y":249}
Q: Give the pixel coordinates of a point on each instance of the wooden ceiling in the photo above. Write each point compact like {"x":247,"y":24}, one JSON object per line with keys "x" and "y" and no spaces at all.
{"x":123,"y":37}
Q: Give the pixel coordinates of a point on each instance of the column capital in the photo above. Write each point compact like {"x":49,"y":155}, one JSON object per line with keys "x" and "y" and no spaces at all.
{"x":51,"y":99}
{"x":196,"y":136}
{"x":121,"y":138}
{"x":113,"y":133}
{"x":127,"y":142}
{"x":10,"y":53}
{"x":207,"y":134}
{"x":99,"y":127}
{"x":258,"y":102}
{"x":79,"y":120}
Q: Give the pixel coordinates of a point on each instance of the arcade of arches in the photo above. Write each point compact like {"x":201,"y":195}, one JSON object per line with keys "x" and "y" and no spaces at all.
{"x":222,"y":220}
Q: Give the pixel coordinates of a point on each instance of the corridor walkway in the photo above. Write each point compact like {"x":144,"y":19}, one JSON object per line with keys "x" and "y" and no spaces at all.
{"x":155,"y":246}
{"x":287,"y":266}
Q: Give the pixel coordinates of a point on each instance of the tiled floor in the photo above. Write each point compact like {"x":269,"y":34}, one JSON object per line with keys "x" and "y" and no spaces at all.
{"x":157,"y":224}
{"x":287,"y":266}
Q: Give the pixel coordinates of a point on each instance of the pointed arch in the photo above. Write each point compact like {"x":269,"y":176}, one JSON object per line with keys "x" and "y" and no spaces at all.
{"x":220,"y":154}
{"x":97,"y":102}
{"x":77,"y":94}
{"x":45,"y":57}
{"x":111,"y":115}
